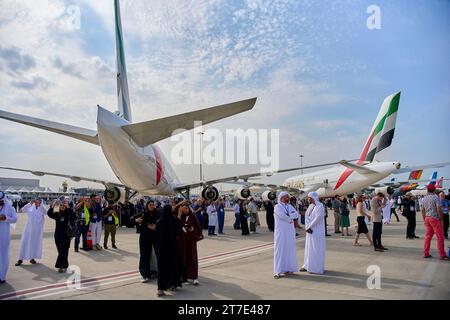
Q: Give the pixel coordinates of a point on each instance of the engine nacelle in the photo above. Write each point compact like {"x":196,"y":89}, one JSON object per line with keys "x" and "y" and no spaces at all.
{"x":242,"y":193}
{"x":210,"y":193}
{"x":417,"y":193}
{"x":385,"y":190}
{"x":268,"y":195}
{"x":114,"y":194}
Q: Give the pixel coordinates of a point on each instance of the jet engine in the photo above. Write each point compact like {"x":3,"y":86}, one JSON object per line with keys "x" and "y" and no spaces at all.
{"x":242,"y":193}
{"x":210,"y":193}
{"x":114,"y":194}
{"x":385,"y":190}
{"x":268,"y":195}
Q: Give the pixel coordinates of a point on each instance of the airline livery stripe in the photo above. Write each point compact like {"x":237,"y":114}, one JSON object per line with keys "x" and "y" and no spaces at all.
{"x":349,"y":171}
{"x":159,"y":167}
{"x":343,"y":177}
{"x":376,"y":143}
{"x":385,"y":140}
{"x":393,"y":108}
{"x":371,"y":155}
{"x":366,"y":148}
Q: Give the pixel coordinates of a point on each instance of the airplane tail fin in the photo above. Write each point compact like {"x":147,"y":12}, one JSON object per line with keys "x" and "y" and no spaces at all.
{"x":123,"y":97}
{"x":415,"y":175}
{"x":433,"y":178}
{"x":382,"y":132}
{"x":439,"y":183}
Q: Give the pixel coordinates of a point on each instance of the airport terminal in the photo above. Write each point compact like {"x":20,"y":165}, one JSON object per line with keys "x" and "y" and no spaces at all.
{"x":259,"y":150}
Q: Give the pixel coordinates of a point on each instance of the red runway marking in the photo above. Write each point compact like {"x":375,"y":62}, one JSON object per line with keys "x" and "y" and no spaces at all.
{"x":114,"y":275}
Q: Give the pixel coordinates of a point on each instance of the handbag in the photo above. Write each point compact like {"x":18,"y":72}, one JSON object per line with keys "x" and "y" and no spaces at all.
{"x":71,"y":229}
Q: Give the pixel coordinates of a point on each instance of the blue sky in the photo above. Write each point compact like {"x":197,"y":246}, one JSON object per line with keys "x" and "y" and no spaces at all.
{"x":319,"y":73}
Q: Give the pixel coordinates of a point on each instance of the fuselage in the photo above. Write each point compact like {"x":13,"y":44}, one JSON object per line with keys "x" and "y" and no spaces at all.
{"x":340,"y":180}
{"x":145,"y":170}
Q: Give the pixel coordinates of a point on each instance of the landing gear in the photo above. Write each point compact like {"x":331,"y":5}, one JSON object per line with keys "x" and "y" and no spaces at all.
{"x":186,"y":193}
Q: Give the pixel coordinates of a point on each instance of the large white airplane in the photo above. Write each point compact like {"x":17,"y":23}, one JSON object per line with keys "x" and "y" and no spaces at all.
{"x":349,"y":178}
{"x":130,"y":147}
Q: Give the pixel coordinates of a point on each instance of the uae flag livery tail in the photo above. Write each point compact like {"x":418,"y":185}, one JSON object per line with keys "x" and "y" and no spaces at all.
{"x":415,"y":175}
{"x":382,"y":132}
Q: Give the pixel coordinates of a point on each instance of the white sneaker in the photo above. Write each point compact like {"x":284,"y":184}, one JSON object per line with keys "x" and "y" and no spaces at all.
{"x":195,"y":282}
{"x":145,"y":280}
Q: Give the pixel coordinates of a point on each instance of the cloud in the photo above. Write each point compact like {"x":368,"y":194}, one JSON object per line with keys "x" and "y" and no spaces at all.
{"x":68,"y":68}
{"x":16,"y":61}
{"x":36,"y":82}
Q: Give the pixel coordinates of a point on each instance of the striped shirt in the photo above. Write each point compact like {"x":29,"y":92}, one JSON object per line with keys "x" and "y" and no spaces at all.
{"x":430,"y":203}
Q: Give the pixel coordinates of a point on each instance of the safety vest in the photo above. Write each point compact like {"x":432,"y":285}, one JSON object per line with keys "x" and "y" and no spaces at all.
{"x":86,"y":216}
{"x":116,"y":219}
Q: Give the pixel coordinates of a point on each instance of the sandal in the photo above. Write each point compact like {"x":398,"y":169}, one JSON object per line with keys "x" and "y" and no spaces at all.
{"x":357,"y":245}
{"x":276,"y":276}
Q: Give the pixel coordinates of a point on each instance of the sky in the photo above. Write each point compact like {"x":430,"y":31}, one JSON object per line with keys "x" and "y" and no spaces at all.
{"x":319,"y":73}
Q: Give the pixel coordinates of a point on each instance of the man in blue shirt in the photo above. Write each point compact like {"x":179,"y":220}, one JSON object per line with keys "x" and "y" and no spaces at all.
{"x":221,"y":214}
{"x":198,"y":210}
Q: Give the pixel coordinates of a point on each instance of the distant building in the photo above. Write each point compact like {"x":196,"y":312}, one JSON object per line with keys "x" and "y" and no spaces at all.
{"x":30,"y":188}
{"x":85,"y":192}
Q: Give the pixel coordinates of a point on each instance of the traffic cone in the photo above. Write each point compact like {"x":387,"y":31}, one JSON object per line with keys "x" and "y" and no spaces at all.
{"x":89,"y":238}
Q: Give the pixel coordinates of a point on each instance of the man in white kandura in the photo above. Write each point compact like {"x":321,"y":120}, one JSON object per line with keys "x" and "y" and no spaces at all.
{"x":285,"y":251}
{"x":31,"y":242}
{"x":314,"y":261}
{"x":8,"y":216}
{"x":387,"y":211}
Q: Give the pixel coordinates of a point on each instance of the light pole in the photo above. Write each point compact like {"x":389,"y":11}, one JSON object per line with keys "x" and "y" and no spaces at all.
{"x":201,"y":133}
{"x":301,"y":162}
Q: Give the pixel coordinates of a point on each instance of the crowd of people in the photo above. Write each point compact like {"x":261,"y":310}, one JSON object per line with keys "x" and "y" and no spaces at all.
{"x":169,"y":231}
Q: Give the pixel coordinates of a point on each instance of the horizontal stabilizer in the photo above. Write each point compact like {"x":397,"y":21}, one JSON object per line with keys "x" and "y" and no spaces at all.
{"x":61,"y":128}
{"x":357,"y":168}
{"x":149,"y":132}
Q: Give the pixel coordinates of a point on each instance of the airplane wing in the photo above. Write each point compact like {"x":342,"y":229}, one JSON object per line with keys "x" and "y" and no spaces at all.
{"x":307,"y":189}
{"x":148,"y":132}
{"x":73,"y":178}
{"x":419,"y":167}
{"x":245,"y":177}
{"x":265,"y":185}
{"x":83,"y":134}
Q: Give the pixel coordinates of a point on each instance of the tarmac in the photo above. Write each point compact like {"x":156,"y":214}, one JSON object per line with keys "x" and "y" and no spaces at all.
{"x":235,"y":267}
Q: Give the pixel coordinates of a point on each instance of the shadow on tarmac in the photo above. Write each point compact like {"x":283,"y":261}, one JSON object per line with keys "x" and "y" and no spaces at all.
{"x":354,"y":280}
{"x":210,"y":289}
